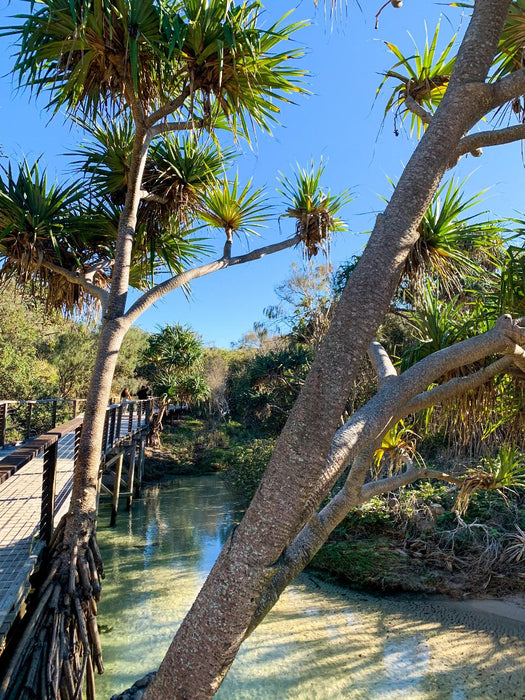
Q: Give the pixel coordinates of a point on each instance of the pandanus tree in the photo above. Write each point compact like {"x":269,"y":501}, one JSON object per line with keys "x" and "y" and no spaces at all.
{"x":175,"y":369}
{"x":285,"y":523}
{"x":134,"y":74}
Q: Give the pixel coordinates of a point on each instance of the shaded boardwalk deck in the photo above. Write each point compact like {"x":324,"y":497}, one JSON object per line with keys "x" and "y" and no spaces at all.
{"x":21,"y":504}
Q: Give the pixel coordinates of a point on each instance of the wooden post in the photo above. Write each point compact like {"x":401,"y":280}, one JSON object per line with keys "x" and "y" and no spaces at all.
{"x":142,"y":455}
{"x":116,"y":489}
{"x":112,"y":417}
{"x":131,"y":473}
{"x":105,"y":433}
{"x":47,"y":511}
{"x":139,"y":414}
{"x":75,"y":408}
{"x":119,"y":420}
{"x":54,"y":414}
{"x":130,"y":419}
{"x":3,"y":422}
{"x":28,"y":419}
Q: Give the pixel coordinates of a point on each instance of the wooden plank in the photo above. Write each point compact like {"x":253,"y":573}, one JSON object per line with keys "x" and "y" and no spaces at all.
{"x":24,"y":454}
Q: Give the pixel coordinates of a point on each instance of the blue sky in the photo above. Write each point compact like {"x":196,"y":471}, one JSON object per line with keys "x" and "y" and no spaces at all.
{"x":339,"y":122}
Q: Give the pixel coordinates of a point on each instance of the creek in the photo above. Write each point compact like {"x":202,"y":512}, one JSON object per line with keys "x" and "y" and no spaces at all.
{"x":321,"y":642}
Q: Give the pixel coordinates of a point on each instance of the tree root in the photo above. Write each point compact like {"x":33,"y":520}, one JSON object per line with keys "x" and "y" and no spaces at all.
{"x":60,"y":646}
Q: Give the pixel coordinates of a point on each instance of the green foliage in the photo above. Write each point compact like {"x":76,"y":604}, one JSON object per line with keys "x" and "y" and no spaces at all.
{"x":247,"y":464}
{"x":43,"y":227}
{"x":507,"y":469}
{"x":174,"y":365}
{"x":264,"y":387}
{"x":315,"y":210}
{"x":422,"y":77}
{"x":305,"y":304}
{"x":235,"y":210}
{"x":130,"y":357}
{"x":454,"y":244}
{"x":92,"y":56}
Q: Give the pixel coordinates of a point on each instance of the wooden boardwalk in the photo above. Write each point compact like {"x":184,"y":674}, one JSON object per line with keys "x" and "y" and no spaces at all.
{"x":21,"y":510}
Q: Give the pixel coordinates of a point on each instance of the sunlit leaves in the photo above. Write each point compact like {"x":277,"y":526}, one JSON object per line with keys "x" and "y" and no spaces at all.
{"x":314,"y":208}
{"x":421,"y":77}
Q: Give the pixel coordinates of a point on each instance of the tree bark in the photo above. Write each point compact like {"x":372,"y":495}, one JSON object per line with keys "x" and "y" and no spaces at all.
{"x":209,"y":637}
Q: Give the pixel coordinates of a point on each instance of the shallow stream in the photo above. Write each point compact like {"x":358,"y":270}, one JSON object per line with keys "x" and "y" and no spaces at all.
{"x":321,"y":642}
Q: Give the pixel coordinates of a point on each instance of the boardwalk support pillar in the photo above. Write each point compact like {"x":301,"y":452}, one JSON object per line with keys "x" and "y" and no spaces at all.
{"x":47,"y":512}
{"x":142,"y":456}
{"x":131,"y":473}
{"x":116,"y":489}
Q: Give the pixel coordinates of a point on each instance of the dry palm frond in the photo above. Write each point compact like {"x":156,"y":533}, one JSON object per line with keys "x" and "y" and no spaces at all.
{"x":514,"y":550}
{"x":475,"y":480}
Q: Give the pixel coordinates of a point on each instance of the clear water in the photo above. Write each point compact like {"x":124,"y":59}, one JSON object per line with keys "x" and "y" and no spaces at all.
{"x":321,"y":642}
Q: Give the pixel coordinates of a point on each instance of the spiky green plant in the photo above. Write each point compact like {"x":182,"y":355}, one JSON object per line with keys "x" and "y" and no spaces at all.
{"x":314,"y":209}
{"x":453,"y":243}
{"x":397,"y":445}
{"x":99,"y":55}
{"x":503,"y":473}
{"x":234,"y":210}
{"x":422,"y":77}
{"x":45,"y":226}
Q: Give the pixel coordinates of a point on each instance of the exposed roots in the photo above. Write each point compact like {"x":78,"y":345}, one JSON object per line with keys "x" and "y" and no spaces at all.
{"x":60,"y":645}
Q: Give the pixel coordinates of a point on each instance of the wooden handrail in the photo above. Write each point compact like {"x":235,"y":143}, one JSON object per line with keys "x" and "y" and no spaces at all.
{"x":31,"y":449}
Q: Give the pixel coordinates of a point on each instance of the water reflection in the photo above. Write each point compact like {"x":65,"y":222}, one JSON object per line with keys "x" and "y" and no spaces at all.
{"x":321,"y":642}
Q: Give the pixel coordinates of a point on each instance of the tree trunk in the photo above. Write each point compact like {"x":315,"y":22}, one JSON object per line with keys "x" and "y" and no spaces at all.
{"x":209,"y":637}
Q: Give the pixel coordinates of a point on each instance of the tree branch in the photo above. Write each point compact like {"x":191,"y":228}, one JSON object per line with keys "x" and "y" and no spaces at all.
{"x":168,"y":108}
{"x":388,"y":405}
{"x":382,"y":363}
{"x":157,"y":292}
{"x":416,"y":108}
{"x":168,"y":127}
{"x":149,"y":197}
{"x":507,"y":88}
{"x":76,"y":278}
{"x":457,"y":386}
{"x":391,"y":483}
{"x":497,"y":137}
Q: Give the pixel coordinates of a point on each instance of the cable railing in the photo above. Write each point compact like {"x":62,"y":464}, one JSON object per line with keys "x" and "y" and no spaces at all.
{"x":22,"y":420}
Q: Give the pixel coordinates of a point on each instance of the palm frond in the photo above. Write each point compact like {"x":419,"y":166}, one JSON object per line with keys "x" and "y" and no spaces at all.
{"x":226,"y":206}
{"x":314,"y":209}
{"x":422,"y":76}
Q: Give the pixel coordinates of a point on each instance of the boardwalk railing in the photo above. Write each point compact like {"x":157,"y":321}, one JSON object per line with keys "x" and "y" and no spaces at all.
{"x":20,"y":420}
{"x":35,"y":486}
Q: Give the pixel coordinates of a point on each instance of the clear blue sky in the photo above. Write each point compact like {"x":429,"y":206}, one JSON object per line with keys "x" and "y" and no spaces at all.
{"x":339,"y":122}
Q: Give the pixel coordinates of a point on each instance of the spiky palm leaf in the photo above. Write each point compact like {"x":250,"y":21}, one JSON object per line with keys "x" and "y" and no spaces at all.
{"x":179,"y":171}
{"x":105,"y":159}
{"x":97,"y":55}
{"x":422,"y":77}
{"x":512,"y":41}
{"x":230,"y":61}
{"x":236,"y":211}
{"x":503,"y":473}
{"x":314,"y":209}
{"x":169,"y":248}
{"x":452,"y":246}
{"x":43,"y":226}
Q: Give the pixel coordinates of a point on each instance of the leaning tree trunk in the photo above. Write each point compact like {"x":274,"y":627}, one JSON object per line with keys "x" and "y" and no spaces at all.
{"x":155,"y":427}
{"x":209,"y":637}
{"x":61,"y":638}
